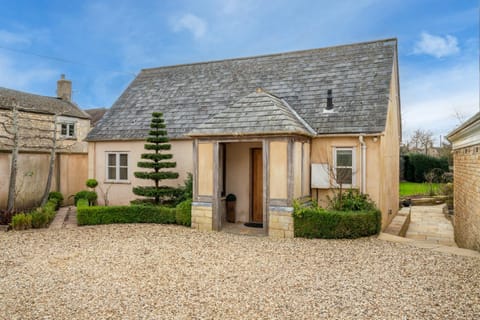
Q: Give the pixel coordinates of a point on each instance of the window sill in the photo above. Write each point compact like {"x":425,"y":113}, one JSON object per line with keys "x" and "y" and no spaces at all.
{"x":116,"y":182}
{"x":68,"y":138}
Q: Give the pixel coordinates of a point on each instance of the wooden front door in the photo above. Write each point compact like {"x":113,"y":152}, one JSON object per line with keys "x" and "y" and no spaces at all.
{"x":257,"y":185}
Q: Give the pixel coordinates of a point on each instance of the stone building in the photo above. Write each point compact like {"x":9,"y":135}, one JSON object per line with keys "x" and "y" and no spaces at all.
{"x":466,"y":169}
{"x":270,"y":129}
{"x":36,"y":122}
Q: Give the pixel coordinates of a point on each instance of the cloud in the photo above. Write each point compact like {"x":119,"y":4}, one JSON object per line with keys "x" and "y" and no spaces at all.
{"x":436,"y":46}
{"x":7,"y":37}
{"x":192,"y":23}
{"x":430,"y":98}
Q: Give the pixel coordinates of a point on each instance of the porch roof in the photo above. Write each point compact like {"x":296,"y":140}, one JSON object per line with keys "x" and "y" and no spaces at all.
{"x":257,"y":113}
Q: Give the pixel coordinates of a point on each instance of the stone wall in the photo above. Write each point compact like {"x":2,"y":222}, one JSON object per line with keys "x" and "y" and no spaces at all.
{"x":467,"y":197}
{"x":202,"y":214}
{"x":280,"y":222}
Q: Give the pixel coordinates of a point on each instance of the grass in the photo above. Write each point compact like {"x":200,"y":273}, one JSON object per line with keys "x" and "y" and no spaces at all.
{"x":414,"y":188}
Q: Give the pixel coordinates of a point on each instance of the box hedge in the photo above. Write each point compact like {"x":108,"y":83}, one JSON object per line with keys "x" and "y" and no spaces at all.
{"x":184,"y":213}
{"x":329,"y":224}
{"x":125,"y":214}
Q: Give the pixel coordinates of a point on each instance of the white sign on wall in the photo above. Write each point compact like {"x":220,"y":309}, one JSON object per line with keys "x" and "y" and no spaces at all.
{"x":320,"y":176}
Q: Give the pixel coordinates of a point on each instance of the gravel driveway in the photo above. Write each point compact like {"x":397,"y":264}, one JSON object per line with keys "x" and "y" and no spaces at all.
{"x":172,"y":272}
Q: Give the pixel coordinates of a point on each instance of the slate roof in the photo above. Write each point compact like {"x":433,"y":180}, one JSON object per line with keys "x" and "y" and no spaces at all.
{"x":257,"y":113}
{"x":41,"y":104}
{"x":191,"y":95}
{"x":96,"y":115}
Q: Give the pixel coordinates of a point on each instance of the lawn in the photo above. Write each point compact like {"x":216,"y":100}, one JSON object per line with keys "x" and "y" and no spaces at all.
{"x":415,"y":188}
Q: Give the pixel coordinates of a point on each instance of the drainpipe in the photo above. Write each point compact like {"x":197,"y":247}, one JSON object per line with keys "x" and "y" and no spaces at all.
{"x":363,"y":164}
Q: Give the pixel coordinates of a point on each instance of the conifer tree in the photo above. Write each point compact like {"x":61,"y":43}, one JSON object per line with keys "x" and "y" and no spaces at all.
{"x":157,"y":161}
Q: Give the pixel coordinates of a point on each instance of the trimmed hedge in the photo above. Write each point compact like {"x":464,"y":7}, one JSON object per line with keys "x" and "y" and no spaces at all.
{"x":125,"y":214}
{"x":417,"y":165}
{"x":321,"y":223}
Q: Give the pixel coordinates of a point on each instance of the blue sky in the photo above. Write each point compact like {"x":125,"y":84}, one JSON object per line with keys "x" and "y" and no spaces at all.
{"x":101,"y":45}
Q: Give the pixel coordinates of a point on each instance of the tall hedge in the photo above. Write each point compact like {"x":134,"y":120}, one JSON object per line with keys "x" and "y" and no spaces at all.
{"x":417,"y":165}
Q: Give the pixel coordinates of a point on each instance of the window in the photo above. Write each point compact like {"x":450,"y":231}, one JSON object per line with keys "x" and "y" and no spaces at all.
{"x":68,"y":130}
{"x":117,"y":166}
{"x":344,"y":164}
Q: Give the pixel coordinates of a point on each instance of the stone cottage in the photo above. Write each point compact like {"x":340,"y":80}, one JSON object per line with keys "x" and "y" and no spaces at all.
{"x":270,"y":129}
{"x":36,"y":120}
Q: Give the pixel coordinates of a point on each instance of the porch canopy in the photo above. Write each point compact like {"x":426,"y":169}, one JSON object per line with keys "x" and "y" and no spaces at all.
{"x":267,"y":122}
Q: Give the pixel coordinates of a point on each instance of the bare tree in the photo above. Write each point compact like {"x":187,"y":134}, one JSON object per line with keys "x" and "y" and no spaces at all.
{"x":11,"y":137}
{"x":421,"y":140}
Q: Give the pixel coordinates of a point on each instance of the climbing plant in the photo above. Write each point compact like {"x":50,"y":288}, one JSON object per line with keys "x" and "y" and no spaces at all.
{"x":158,"y":161}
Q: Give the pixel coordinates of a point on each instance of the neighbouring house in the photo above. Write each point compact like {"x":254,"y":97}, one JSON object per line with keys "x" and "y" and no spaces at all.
{"x":466,"y":182}
{"x":96,"y":115}
{"x":36,"y":120}
{"x":270,"y":129}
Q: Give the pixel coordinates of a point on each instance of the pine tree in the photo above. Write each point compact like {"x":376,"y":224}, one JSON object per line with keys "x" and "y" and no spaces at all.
{"x":158,"y":142}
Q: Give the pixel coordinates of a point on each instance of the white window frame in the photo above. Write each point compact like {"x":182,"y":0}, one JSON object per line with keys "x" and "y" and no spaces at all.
{"x":70,"y":126}
{"x":354,"y":166}
{"x":117,"y":166}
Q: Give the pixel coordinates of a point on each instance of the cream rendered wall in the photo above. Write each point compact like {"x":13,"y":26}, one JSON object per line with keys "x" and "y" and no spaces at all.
{"x":4,"y":178}
{"x":297,"y":170}
{"x":239,"y":173}
{"x":278,"y":170}
{"x":322,"y":152}
{"x":390,"y":155}
{"x":205,"y":169}
{"x":306,"y":169}
{"x":121,"y":193}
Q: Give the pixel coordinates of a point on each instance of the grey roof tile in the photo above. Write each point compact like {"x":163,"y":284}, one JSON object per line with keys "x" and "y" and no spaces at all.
{"x":191,"y":95}
{"x":42,"y":104}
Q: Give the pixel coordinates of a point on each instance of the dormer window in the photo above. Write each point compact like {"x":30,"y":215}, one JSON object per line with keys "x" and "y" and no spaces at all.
{"x":68,"y":130}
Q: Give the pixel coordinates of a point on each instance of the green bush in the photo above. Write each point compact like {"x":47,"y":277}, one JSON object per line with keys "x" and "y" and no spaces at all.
{"x":91,"y":183}
{"x":183,"y":214}
{"x":39,"y":219}
{"x":125,"y":214}
{"x":351,"y":200}
{"x":21,"y":221}
{"x":321,"y":223}
{"x":418,"y":165}
{"x":57,"y":196}
{"x":91,"y":196}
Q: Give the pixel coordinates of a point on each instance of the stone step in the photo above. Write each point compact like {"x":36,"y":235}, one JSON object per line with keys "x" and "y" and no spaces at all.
{"x":400,"y":223}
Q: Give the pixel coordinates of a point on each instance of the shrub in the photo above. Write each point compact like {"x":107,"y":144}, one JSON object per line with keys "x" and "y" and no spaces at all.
{"x":91,"y":196}
{"x":320,"y":223}
{"x":125,"y":214}
{"x":57,"y":196}
{"x":183,"y":214}
{"x":91,"y":183}
{"x":351,"y":200}
{"x":39,"y":219}
{"x":21,"y":221}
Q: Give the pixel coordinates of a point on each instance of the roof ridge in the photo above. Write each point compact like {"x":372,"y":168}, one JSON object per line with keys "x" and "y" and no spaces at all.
{"x":270,"y":55}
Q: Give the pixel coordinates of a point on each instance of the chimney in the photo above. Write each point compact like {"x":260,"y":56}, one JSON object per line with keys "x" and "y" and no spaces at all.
{"x":64,"y":88}
{"x":329,"y":100}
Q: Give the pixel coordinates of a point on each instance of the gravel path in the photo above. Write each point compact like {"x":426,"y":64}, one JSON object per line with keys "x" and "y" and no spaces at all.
{"x":171,"y":272}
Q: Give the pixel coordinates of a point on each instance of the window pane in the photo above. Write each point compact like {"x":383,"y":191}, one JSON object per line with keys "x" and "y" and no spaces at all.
{"x":64,"y":129}
{"x":123,"y":160}
{"x":112,"y":159}
{"x":344,"y":158}
{"x":71,"y":131}
{"x":123,"y":173}
{"x":111,"y":173}
{"x":344,"y":175}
